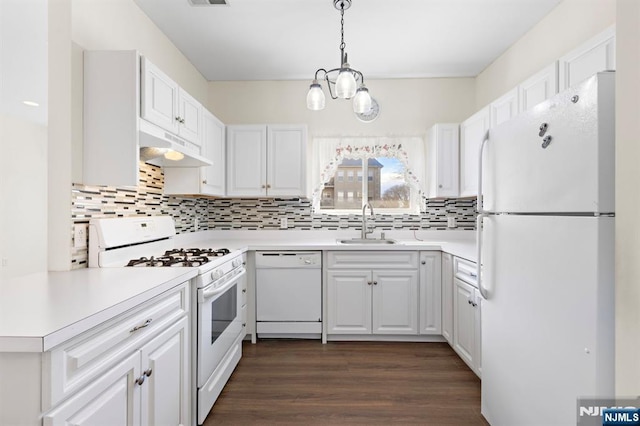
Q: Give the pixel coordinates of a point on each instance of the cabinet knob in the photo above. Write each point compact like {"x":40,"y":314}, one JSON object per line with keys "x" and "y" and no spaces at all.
{"x":424,"y":262}
{"x":369,"y":282}
{"x":264,"y":186}
{"x":204,"y":182}
{"x":139,"y":380}
{"x":244,"y":290}
{"x":440,"y":186}
{"x":375,"y":283}
{"x":268,"y":186}
{"x":148,"y":372}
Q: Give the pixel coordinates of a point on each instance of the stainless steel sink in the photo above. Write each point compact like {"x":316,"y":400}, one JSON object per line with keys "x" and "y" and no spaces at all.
{"x":366,"y":241}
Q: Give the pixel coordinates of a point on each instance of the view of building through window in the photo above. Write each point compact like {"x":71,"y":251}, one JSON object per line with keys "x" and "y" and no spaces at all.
{"x":385,"y":186}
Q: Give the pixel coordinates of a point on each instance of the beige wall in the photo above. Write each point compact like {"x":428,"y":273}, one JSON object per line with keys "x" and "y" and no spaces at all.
{"x":407,"y":107}
{"x":567,"y":26}
{"x":627,"y":198}
{"x":121,"y":25}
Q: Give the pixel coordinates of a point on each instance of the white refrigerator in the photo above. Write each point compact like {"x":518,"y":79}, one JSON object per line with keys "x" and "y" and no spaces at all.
{"x":546,"y":258}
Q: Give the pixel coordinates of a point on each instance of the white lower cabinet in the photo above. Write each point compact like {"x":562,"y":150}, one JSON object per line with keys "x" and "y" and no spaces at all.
{"x":133,"y":370}
{"x":467,"y":303}
{"x":447,"y":297}
{"x":365,"y":298}
{"x":430,"y":293}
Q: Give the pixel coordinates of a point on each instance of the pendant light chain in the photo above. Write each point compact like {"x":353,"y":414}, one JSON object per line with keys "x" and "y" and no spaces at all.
{"x":342,"y":44}
{"x":347,"y":82}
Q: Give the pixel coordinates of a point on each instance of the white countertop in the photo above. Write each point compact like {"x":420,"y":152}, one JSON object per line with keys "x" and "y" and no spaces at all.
{"x":40,"y":311}
{"x":458,"y":243}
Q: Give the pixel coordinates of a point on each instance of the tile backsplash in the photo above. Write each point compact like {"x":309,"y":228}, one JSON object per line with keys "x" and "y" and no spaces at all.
{"x":198,"y":214}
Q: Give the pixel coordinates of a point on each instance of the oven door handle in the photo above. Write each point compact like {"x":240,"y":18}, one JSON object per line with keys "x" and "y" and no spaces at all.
{"x":207,"y":294}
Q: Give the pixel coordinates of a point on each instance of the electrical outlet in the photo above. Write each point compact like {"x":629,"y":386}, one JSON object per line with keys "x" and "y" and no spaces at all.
{"x":283,"y":223}
{"x":80,"y":236}
{"x":451,"y":222}
{"x":196,"y":223}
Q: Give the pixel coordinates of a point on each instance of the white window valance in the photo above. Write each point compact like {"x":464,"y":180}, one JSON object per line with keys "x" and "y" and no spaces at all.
{"x":328,"y":153}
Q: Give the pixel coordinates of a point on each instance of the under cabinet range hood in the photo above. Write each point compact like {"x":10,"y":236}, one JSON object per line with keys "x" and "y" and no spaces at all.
{"x":157,"y":146}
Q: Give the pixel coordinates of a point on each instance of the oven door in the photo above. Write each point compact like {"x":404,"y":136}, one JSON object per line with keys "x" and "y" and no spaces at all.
{"x":219,"y":323}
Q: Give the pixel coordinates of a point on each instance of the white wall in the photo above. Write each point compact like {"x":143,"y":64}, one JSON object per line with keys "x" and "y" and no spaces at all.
{"x":627,"y":199}
{"x":567,"y":26}
{"x":23,"y":196}
{"x":407,"y":107}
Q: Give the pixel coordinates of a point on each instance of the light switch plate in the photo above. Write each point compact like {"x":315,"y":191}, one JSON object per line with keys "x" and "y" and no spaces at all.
{"x":283,"y":223}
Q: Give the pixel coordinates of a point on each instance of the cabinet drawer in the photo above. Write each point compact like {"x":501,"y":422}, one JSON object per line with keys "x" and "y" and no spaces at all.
{"x":466,"y":271}
{"x":79,"y":361}
{"x":372,"y":259}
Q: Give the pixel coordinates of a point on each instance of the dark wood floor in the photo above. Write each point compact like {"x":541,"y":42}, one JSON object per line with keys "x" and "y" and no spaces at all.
{"x":305,"y":382}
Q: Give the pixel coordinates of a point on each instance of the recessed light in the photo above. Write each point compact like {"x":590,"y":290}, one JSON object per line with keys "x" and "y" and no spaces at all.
{"x":31,"y":103}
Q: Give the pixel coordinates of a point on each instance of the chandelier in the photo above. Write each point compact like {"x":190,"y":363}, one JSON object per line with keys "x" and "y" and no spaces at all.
{"x":346,"y":82}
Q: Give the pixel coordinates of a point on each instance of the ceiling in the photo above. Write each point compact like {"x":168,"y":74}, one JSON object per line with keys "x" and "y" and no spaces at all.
{"x":290,"y":39}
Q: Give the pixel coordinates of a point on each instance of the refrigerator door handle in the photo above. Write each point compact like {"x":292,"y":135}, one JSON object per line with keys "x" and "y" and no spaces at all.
{"x":480,"y":207}
{"x":483,"y":291}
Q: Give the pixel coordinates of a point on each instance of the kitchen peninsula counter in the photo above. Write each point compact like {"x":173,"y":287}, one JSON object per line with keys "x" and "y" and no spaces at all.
{"x":39,"y":311}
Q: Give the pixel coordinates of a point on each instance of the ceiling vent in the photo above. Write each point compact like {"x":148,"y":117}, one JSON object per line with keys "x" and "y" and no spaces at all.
{"x":209,"y":2}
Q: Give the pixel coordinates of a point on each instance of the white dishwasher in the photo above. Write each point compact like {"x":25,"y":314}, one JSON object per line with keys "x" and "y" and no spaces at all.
{"x":289,"y":294}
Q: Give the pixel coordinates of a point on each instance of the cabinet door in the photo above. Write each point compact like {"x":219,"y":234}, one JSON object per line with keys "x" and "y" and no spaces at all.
{"x":447,"y":297}
{"x":430,"y":293}
{"x":159,"y":98}
{"x":190,"y":110}
{"x":113,"y":399}
{"x":472,"y":133}
{"x":597,"y":54}
{"x":504,"y":108}
{"x":246,"y":161}
{"x":165,"y":363}
{"x":395,"y":302}
{"x":464,"y":321}
{"x":442,"y":160}
{"x":477,"y":362}
{"x":213,"y":148}
{"x":539,"y":87}
{"x":349,"y":302}
{"x":286,"y":160}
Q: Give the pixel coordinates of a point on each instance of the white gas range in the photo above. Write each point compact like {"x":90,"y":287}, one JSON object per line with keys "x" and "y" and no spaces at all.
{"x":218,"y":292}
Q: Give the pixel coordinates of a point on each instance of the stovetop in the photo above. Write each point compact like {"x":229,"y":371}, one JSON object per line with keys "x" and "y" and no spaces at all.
{"x":180,"y":257}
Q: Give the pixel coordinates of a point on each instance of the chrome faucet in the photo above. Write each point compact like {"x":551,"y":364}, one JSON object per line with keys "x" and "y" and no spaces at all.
{"x":366,"y":231}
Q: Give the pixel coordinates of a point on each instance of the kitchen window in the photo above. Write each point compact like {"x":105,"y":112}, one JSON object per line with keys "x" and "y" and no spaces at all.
{"x":392,"y":185}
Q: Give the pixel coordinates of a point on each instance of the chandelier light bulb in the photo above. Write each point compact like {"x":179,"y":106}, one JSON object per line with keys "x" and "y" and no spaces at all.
{"x":315,"y":97}
{"x":362,"y":100}
{"x":345,"y":83}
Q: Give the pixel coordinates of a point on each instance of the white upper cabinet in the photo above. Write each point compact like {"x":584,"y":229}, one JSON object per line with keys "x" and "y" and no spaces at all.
{"x":207,"y":180}
{"x":266,"y":160}
{"x":159,"y":98}
{"x":167,"y":105}
{"x":597,"y":54}
{"x":247,"y":161}
{"x":539,"y":87}
{"x":129,"y":104}
{"x":286,"y":160}
{"x":472,"y":132}
{"x":504,"y":108}
{"x":213,"y":148}
{"x":442,"y":160}
{"x":190,"y":117}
